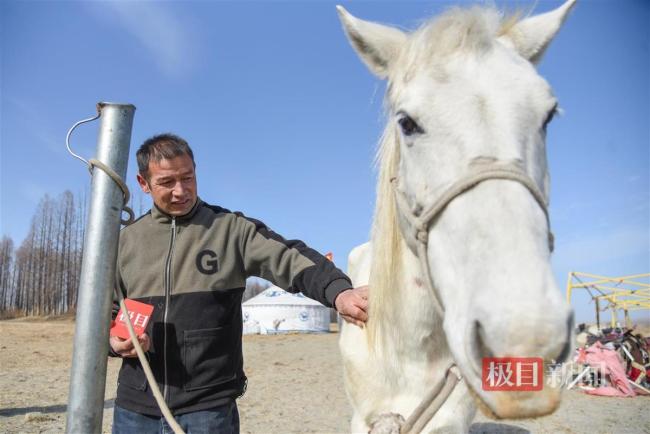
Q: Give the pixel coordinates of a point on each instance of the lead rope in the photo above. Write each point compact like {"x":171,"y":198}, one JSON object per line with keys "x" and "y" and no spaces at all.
{"x":432,"y":402}
{"x":92,"y":163}
{"x":160,"y":400}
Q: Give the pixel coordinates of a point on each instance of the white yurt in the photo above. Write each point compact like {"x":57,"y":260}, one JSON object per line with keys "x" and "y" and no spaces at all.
{"x":278,"y":311}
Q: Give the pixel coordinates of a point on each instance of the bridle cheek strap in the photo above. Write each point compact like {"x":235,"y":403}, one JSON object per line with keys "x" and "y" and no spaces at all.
{"x":418,"y":222}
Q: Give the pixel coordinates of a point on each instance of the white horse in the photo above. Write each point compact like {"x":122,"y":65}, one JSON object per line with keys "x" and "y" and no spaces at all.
{"x":459,"y":263}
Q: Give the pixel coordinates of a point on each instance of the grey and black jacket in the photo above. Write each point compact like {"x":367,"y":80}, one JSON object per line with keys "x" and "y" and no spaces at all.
{"x":193,"y":270}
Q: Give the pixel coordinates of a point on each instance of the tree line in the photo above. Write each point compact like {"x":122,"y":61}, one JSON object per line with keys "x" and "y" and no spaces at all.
{"x":41,"y":276}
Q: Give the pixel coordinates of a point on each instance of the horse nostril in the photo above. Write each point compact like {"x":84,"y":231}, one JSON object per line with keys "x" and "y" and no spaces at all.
{"x":481,"y":349}
{"x":564,"y":354}
{"x":566,"y":348}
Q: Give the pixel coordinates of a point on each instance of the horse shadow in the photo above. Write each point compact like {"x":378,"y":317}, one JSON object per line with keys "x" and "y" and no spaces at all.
{"x":496,"y":428}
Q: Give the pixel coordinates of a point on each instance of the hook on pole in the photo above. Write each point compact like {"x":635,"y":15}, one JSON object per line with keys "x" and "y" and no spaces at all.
{"x":92,"y":163}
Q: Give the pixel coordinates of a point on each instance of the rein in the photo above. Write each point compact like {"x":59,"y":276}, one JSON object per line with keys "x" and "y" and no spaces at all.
{"x":417,"y":238}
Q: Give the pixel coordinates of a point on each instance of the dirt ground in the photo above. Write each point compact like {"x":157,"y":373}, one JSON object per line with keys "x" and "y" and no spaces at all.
{"x":295,"y":386}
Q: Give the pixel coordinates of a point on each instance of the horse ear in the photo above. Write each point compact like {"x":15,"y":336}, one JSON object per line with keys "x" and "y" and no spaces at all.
{"x":376,"y":44}
{"x":531,"y":36}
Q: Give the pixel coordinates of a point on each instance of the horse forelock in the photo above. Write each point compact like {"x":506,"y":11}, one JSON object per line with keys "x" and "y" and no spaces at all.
{"x":457,"y":31}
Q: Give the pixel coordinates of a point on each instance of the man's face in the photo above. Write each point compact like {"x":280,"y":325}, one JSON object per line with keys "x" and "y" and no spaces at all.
{"x":172,"y":184}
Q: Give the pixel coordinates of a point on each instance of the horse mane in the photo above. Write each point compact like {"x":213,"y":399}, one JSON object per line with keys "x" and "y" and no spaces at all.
{"x":387,"y":244}
{"x":470,"y":29}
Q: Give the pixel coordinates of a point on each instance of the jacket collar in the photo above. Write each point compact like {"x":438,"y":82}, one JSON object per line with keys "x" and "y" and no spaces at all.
{"x":159,"y":216}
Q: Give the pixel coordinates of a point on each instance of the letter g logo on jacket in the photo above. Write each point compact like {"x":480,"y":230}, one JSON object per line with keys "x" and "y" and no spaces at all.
{"x":206,"y":262}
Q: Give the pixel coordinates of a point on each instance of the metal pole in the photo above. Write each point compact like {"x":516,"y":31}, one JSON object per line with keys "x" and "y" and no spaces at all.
{"x":90,"y":352}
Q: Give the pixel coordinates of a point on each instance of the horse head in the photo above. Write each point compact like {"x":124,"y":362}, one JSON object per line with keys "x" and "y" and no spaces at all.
{"x":465,"y":101}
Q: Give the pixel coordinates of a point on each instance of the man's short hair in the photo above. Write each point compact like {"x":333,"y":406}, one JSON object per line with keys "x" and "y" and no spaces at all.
{"x":161,"y":146}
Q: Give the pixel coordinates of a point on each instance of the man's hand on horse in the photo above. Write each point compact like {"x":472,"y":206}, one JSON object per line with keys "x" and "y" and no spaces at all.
{"x":352,"y":305}
{"x":125,"y":348}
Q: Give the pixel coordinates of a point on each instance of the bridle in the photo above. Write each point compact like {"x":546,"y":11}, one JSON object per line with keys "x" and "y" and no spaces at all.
{"x":416,"y":235}
{"x":420,"y":221}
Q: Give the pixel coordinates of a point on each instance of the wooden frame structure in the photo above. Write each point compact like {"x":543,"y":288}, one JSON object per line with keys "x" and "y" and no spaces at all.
{"x":624,"y":293}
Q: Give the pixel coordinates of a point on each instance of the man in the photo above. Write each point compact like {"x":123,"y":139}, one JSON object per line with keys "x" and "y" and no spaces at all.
{"x":190,"y":260}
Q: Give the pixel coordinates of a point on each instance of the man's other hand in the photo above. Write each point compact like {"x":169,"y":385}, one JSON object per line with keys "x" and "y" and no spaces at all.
{"x":352,"y":305}
{"x":125,"y":348}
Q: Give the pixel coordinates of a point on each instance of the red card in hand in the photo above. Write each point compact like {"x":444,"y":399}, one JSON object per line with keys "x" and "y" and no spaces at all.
{"x":140,"y":314}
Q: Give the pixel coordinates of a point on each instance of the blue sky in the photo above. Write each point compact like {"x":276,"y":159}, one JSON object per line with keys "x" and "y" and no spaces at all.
{"x":283,"y":118}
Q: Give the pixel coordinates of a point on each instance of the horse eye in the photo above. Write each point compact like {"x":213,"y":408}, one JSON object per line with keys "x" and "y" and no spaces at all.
{"x":549,"y":117}
{"x":409,"y":126}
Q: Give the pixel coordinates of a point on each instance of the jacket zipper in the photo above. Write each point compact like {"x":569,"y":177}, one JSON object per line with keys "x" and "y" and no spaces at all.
{"x":168,"y":290}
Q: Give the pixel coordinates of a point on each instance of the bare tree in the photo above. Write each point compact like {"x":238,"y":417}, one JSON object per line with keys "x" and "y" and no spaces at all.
{"x":254,"y":286}
{"x":67,"y":247}
{"x":6,"y":266}
{"x":42,"y":275}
